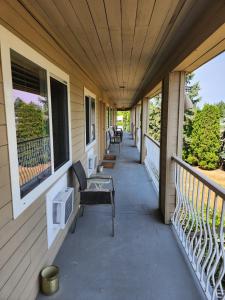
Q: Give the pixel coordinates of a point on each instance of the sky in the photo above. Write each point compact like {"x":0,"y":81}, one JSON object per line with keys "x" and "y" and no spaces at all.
{"x":211,"y":77}
{"x":27,"y":97}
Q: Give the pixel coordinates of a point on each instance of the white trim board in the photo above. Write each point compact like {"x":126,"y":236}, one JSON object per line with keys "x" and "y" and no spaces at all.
{"x":9,"y":41}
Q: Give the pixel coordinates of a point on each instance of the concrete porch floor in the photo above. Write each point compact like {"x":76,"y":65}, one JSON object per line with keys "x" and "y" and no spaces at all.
{"x":142,"y":262}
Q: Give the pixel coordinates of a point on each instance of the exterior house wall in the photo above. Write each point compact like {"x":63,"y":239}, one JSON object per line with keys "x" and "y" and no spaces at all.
{"x":23,"y":241}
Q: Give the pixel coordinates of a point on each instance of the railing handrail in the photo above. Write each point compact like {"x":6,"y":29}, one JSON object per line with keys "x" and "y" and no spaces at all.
{"x":32,"y":140}
{"x":216,"y":188}
{"x":152,"y":140}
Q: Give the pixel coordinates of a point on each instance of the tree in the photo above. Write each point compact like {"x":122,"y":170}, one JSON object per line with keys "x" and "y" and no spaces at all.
{"x":155,"y":117}
{"x":126,"y":120}
{"x":205,"y":138}
{"x":30,"y":121}
{"x":192,"y":90}
{"x":221,"y":106}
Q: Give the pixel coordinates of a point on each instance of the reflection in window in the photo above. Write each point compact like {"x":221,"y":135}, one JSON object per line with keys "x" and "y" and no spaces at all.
{"x":32,"y":122}
{"x":90,"y":119}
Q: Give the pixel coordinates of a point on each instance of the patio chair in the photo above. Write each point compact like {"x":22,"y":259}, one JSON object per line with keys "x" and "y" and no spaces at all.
{"x":114,"y":139}
{"x":95,"y":190}
{"x":118,"y":132}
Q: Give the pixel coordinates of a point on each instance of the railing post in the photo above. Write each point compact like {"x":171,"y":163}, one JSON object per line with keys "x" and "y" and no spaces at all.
{"x":173,"y":91}
{"x":144,"y":127}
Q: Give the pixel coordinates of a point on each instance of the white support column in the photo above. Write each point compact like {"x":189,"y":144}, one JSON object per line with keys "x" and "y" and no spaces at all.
{"x":137,"y":122}
{"x":144,"y":127}
{"x":172,"y":115}
{"x":135,"y":125}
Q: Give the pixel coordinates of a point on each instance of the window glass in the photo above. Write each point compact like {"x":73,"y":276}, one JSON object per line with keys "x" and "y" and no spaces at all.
{"x":87,"y":110}
{"x":32,"y":122}
{"x":59,"y":103}
{"x":90,"y":119}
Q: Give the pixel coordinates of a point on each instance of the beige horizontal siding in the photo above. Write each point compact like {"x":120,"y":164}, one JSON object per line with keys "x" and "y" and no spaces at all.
{"x":23,"y":241}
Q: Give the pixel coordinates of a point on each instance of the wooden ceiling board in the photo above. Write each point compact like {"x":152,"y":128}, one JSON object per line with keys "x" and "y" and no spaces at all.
{"x":211,"y":47}
{"x":113,"y":12}
{"x":129,"y":17}
{"x":55,"y":20}
{"x":84,"y":16}
{"x":98,"y":12}
{"x":144,"y":14}
{"x":131,"y":42}
{"x":160,"y":19}
{"x":191,"y":32}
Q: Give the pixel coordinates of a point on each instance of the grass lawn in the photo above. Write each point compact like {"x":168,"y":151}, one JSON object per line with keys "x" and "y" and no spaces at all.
{"x":216,"y":175}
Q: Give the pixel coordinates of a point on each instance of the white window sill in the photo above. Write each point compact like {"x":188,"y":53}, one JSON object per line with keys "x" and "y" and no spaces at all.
{"x":19,"y":205}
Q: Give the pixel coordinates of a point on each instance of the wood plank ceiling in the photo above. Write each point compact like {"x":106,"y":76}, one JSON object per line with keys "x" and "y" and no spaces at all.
{"x":114,"y":41}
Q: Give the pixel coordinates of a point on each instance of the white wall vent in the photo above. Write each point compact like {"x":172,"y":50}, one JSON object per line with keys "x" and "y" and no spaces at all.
{"x":59,"y":206}
{"x":63,"y":207}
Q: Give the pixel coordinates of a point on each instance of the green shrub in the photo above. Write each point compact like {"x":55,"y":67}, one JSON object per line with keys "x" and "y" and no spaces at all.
{"x":192,"y":160}
{"x":205,"y":138}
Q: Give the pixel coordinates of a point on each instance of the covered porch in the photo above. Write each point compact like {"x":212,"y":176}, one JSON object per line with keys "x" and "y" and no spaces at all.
{"x":143,"y":261}
{"x":69,"y":66}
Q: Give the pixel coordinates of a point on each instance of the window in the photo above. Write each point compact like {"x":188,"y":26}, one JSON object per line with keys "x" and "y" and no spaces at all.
{"x":110,"y":117}
{"x":107,"y":117}
{"x":30,"y":100}
{"x":59,"y":122}
{"x":90,"y":119}
{"x":38,"y":120}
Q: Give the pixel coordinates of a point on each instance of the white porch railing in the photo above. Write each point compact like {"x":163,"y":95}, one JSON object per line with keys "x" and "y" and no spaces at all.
{"x":138,"y":130}
{"x":199,"y":223}
{"x":152,"y":160}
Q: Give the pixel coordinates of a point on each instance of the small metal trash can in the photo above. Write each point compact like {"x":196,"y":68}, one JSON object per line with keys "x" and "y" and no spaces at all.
{"x":49,"y":280}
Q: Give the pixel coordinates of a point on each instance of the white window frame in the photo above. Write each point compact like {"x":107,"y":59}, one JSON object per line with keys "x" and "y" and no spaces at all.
{"x":88,"y":93}
{"x":9,"y":41}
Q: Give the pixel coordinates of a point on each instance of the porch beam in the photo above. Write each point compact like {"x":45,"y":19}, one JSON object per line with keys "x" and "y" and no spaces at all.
{"x":172,"y":114}
{"x":144,"y":127}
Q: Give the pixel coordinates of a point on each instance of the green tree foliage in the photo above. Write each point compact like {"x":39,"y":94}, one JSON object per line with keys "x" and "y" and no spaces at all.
{"x":155,"y":117}
{"x":126,"y":120}
{"x":31,"y":121}
{"x":193,"y":93}
{"x":221,"y":106}
{"x":205,"y":138}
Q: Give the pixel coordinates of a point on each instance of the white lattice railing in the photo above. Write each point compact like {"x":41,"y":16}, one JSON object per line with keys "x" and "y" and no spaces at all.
{"x":152,"y":160}
{"x":199,"y":223}
{"x":138,"y":130}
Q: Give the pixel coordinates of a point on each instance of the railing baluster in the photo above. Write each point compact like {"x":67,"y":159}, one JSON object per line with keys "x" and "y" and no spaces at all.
{"x":199,"y":223}
{"x":152,"y":160}
{"x":221,"y":256}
